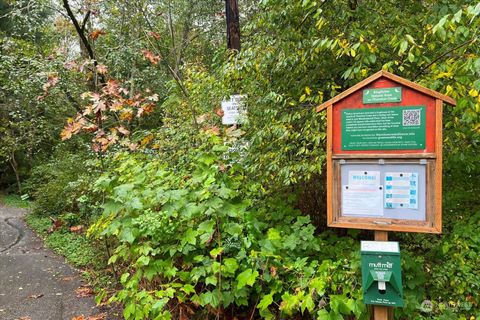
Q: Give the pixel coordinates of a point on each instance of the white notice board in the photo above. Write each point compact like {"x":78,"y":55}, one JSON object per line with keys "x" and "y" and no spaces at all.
{"x":363,"y":195}
{"x":394,"y":191}
{"x":233,"y":110}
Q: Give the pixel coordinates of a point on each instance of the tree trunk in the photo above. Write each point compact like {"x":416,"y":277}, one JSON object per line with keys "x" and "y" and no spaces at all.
{"x":14,"y":165}
{"x":233,"y":24}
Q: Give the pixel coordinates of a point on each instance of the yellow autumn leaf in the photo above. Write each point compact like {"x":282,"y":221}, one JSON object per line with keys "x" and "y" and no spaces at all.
{"x":473,"y":92}
{"x":308,"y":90}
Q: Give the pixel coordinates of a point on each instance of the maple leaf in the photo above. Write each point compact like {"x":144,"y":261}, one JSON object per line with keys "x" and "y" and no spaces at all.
{"x":52,"y":80}
{"x":102,"y":69}
{"x":57,"y":224}
{"x":214,"y":130}
{"x":111,"y":88}
{"x":88,"y":110}
{"x":147,"y":139}
{"x":127,"y":114}
{"x":100,"y":105}
{"x":154,"y":35}
{"x":146,"y":108}
{"x":66,"y":133}
{"x":85,"y":95}
{"x":150,"y":56}
{"x":219,"y":112}
{"x":96,"y":147}
{"x":79,"y":318}
{"x":96,"y":33}
{"x":123,"y":130}
{"x":117,"y":105}
{"x":90,"y":128}
{"x":273,"y":271}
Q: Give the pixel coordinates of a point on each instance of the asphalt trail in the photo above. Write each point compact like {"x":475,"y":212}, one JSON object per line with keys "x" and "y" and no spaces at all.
{"x":35,"y":283}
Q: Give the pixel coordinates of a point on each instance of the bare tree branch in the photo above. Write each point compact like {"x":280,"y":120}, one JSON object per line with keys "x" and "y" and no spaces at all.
{"x":85,"y":20}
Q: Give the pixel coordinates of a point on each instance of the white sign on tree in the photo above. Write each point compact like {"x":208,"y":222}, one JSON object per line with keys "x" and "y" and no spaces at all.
{"x":233,"y":110}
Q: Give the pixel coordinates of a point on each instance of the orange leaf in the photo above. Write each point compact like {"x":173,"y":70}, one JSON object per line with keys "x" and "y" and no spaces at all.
{"x":77,"y":229}
{"x":96,"y":33}
{"x":146,"y":108}
{"x":102,"y":69}
{"x":127,"y":114}
{"x":100,"y":316}
{"x":151,"y":57}
{"x":112,"y":88}
{"x":84,"y":291}
{"x":154,"y":35}
{"x":123,"y":130}
{"x":66,"y":133}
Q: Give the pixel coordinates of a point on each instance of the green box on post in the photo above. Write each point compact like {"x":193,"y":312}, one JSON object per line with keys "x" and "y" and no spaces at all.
{"x":381,"y":273}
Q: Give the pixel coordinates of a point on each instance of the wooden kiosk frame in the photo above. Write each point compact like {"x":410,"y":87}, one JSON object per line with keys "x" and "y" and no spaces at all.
{"x":429,"y":155}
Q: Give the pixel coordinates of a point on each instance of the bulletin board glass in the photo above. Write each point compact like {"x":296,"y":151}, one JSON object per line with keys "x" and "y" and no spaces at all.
{"x":394,"y":191}
{"x":384,"y":192}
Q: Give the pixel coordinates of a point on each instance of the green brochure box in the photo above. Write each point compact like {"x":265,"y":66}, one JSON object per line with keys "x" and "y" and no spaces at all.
{"x":381,"y":273}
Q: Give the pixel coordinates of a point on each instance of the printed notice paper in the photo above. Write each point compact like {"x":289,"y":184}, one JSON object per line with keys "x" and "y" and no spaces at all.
{"x":357,"y":178}
{"x":401,"y":190}
{"x":363,"y":200}
{"x":233,"y":110}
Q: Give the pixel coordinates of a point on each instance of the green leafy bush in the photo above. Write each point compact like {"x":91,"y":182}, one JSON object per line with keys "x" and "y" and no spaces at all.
{"x":57,"y":185}
{"x":202,"y":238}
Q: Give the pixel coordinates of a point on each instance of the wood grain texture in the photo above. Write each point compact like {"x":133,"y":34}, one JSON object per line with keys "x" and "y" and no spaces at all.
{"x":384,"y":156}
{"x":381,"y":236}
{"x":438,"y":166}
{"x":378,"y":223}
{"x":329,"y":167}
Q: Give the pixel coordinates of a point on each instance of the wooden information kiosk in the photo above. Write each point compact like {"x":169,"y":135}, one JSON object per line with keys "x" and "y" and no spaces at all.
{"x":384,"y":156}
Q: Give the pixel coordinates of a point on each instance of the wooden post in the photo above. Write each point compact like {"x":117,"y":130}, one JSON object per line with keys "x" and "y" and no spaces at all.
{"x":382,"y":312}
{"x":233,"y":24}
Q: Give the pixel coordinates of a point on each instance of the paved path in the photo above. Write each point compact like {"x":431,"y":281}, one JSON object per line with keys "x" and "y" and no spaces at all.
{"x":35,"y":284}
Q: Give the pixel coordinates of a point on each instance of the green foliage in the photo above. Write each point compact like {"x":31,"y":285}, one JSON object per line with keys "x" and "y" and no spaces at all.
{"x":76,"y":248}
{"x":38,"y":223}
{"x":59,"y":185}
{"x":14,"y":200}
{"x":204,"y":232}
{"x":203,"y":235}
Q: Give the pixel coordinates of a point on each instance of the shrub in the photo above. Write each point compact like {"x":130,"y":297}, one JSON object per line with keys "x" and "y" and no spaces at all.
{"x":203,"y":236}
{"x":56,"y":185}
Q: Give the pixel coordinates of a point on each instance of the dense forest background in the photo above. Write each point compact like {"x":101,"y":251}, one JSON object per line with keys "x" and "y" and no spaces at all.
{"x":110,"y":123}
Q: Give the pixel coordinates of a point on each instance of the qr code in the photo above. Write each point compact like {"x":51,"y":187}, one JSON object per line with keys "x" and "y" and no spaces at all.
{"x":411,"y":117}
